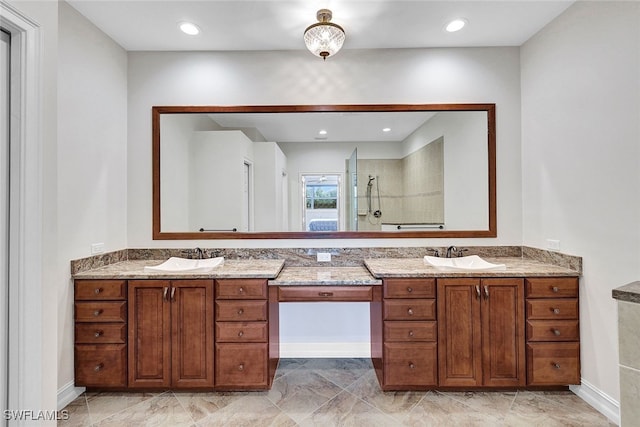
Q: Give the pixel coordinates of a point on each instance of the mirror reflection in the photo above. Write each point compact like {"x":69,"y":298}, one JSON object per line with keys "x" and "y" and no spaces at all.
{"x":224,"y":173}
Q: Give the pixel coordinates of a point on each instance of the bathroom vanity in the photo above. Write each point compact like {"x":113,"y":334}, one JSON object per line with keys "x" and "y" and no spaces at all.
{"x":430,"y":328}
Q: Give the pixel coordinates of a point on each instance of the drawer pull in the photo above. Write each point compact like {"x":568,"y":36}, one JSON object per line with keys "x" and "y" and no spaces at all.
{"x":555,"y":310}
{"x":240,"y":334}
{"x":97,"y":312}
{"x":240,"y":312}
{"x":97,"y":291}
{"x":99,"y":367}
{"x":411,"y":365}
{"x":410,"y":312}
{"x":555,"y":365}
{"x":410,"y":333}
{"x":241,"y":367}
{"x":409,"y":289}
{"x":325,"y":294}
{"x":241,"y":290}
{"x":98,"y":333}
{"x":556,"y":332}
{"x":555,"y":289}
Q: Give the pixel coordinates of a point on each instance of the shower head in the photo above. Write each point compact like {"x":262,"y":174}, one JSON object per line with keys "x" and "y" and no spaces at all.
{"x":371,"y":178}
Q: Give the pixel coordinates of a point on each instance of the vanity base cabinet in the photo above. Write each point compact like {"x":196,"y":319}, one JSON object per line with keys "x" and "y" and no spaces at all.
{"x":553,"y":331}
{"x":409,"y":335}
{"x":246,"y":334}
{"x":100,"y":350}
{"x":481,"y":332}
{"x":171,"y":334}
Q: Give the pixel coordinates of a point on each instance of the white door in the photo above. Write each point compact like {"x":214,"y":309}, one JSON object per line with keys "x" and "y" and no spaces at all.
{"x":5,"y":74}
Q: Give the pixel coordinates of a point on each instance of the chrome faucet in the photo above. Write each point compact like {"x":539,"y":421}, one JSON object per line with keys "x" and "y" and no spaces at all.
{"x":451,"y":249}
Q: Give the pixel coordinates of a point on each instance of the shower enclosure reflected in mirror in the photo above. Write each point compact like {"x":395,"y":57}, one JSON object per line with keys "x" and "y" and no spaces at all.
{"x":324,"y":171}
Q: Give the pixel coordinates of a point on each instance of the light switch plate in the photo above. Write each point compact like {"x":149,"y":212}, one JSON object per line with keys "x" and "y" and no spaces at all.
{"x":323,"y":257}
{"x":97,"y":248}
{"x":553,"y":244}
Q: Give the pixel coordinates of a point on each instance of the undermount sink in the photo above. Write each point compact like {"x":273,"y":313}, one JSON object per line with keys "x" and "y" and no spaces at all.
{"x":468,"y":263}
{"x":185,"y":265}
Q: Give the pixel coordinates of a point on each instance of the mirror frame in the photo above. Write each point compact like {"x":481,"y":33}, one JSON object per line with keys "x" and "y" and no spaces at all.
{"x":157,"y":111}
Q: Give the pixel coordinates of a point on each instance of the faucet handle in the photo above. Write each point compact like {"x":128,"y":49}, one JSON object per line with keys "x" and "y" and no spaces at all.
{"x":187,"y":252}
{"x":460,"y":251}
{"x":436,"y":253}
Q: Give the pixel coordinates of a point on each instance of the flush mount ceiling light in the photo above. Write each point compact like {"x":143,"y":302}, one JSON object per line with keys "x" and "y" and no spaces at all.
{"x":189,"y":28}
{"x":456,"y":25}
{"x":324,"y":38}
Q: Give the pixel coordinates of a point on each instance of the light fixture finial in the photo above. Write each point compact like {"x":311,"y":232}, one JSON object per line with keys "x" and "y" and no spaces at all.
{"x":324,"y":38}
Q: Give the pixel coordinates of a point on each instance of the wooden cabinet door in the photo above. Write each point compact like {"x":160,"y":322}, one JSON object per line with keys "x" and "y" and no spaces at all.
{"x":459,"y":329}
{"x":503,"y":349}
{"x":149,"y":334}
{"x":192,"y":333}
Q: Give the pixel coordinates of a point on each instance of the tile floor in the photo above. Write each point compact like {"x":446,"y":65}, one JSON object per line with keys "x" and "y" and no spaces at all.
{"x":332,"y":392}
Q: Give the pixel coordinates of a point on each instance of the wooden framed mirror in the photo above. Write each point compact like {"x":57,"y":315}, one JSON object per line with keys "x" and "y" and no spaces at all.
{"x":324,"y":171}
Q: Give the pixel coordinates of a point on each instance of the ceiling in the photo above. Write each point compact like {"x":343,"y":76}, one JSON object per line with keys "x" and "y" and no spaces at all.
{"x":152,"y":25}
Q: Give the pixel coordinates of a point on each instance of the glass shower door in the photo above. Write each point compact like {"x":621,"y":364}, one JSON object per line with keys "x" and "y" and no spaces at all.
{"x":352,"y":191}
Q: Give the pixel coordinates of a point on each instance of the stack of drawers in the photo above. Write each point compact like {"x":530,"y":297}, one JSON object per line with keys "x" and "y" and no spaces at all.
{"x":553,"y":332}
{"x":410,"y":333}
{"x":241,"y":334}
{"x":100,"y":333}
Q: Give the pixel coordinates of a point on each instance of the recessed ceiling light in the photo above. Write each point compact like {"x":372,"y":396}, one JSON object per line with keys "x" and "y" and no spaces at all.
{"x":386,"y":130}
{"x":189,"y":28}
{"x":456,"y":25}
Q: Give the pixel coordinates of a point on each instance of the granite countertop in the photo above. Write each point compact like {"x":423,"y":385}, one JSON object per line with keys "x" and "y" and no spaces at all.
{"x":417,"y":267}
{"x":232,"y":268}
{"x":628,"y":293}
{"x":322,"y":276}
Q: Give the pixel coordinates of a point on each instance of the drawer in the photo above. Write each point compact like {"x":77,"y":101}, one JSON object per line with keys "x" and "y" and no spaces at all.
{"x":395,"y":331}
{"x":407,"y":309}
{"x":552,"y":309}
{"x":241,"y":366}
{"x":411,"y":364}
{"x":241,"y":311}
{"x":101,"y":333}
{"x":409,"y":288}
{"x":241,"y":332}
{"x":551,"y":287}
{"x":553,"y":363}
{"x":101,"y":311}
{"x":103,"y":365}
{"x":325,"y":293}
{"x":241,"y":289}
{"x":100,"y":290}
{"x":553,"y":330}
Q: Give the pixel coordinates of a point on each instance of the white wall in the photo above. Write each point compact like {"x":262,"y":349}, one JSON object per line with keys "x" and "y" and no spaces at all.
{"x":90,"y":183}
{"x":483,"y":75}
{"x":581,"y":161}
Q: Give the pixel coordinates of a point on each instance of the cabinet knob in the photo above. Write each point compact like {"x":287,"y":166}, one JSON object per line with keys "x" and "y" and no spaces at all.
{"x":97,"y":291}
{"x":241,"y":290}
{"x":410,"y":333}
{"x":555,"y":289}
{"x":410,"y":312}
{"x":556,"y":332}
{"x":555,"y":365}
{"x":409,"y":289}
{"x":99,"y":367}
{"x":240,"y":312}
{"x":97,"y":312}
{"x":98,"y":333}
{"x":240,"y":334}
{"x":411,"y":365}
{"x":241,"y":367}
{"x":555,"y":310}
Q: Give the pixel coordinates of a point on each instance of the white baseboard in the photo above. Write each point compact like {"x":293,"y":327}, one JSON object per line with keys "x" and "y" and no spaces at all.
{"x":599,"y":400}
{"x":67,"y":394}
{"x":329,"y":350}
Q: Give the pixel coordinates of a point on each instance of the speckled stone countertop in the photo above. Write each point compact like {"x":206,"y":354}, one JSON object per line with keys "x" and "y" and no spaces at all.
{"x":417,"y":267}
{"x":321,"y":276}
{"x":254,"y":268}
{"x":628,"y":293}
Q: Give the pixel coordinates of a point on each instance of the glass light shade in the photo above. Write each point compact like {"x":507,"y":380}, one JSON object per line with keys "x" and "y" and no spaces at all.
{"x":324,"y":38}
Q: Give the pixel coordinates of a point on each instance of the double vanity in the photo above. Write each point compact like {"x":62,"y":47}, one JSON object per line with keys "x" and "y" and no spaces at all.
{"x":431,"y":327}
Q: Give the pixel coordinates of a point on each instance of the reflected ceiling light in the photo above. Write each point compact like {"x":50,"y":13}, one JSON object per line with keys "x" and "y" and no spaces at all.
{"x":386,"y":130}
{"x":322,"y":132}
{"x":324,"y":38}
{"x":456,"y":25}
{"x":189,"y":28}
